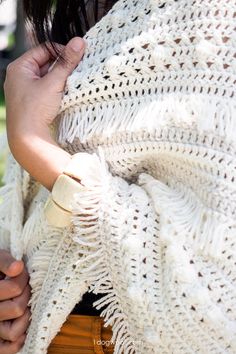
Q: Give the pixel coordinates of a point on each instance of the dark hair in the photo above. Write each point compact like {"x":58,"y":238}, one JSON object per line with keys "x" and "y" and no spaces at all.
{"x":60,"y":20}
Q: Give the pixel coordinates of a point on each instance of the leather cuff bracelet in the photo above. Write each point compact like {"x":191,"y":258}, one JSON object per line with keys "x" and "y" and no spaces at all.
{"x":63,"y":191}
{"x":58,"y":207}
{"x":55,"y":215}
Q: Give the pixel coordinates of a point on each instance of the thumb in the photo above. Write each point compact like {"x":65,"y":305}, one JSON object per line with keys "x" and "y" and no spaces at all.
{"x":66,"y":62}
{"x":9,"y":266}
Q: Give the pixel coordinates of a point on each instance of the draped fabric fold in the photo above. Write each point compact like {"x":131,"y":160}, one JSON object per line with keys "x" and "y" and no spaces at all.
{"x":153,"y":104}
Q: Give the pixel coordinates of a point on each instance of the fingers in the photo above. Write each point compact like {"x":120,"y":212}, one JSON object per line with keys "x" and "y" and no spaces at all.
{"x":38,"y":55}
{"x":13,"y":330}
{"x":12,"y":347}
{"x":34,"y":64}
{"x":12,"y":333}
{"x":72,"y":54}
{"x":15,"y":308}
{"x":30,"y":63}
{"x":9,"y":265}
{"x":44,"y":69}
{"x":41,"y":54}
{"x":13,"y":287}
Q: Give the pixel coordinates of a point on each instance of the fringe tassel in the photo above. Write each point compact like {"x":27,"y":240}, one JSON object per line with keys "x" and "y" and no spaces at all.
{"x":5,"y":195}
{"x":185,"y":111}
{"x":5,"y":206}
{"x":205,"y":228}
{"x":186,"y":221}
{"x":5,"y":216}
{"x":38,"y":265}
{"x":87,"y":218}
{"x":11,"y":208}
{"x":32,"y":229}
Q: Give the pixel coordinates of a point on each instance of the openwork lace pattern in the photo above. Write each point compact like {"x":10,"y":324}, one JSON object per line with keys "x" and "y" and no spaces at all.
{"x":154,"y":231}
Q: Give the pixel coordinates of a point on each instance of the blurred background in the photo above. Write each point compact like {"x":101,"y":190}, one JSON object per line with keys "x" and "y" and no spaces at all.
{"x":14,"y":40}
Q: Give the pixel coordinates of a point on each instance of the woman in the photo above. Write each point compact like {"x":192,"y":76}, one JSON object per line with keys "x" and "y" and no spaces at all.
{"x":88,"y":315}
{"x":153,"y":208}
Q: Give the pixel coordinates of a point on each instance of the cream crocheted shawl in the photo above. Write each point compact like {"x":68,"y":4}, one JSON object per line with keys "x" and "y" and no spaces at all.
{"x":155,"y":229}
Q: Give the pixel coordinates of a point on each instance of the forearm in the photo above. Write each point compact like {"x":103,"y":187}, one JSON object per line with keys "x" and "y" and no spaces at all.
{"x":33,"y":99}
{"x":40,"y":155}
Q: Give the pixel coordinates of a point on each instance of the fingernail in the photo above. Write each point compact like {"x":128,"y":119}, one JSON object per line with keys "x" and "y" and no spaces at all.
{"x":76,"y":45}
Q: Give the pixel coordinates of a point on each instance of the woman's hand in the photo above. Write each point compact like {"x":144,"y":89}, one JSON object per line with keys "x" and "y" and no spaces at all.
{"x":14,"y":298}
{"x":33,"y":96}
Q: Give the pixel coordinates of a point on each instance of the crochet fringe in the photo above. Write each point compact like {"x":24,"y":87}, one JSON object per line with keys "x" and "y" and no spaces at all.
{"x":178,"y":228}
{"x":87,"y":219}
{"x":189,"y":111}
{"x":5,"y":200}
{"x":204,"y":228}
{"x":40,"y":265}
{"x":187,"y":222}
{"x":5,"y":207}
{"x":11,"y":207}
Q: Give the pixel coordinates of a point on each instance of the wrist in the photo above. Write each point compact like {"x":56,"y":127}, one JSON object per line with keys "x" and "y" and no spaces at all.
{"x":40,"y":155}
{"x":18,"y":134}
{"x":81,"y":172}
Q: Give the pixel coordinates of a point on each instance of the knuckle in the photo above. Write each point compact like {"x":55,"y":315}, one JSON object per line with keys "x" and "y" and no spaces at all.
{"x":4,"y":332}
{"x":66,"y":63}
{"x":18,"y":310}
{"x":16,"y":290}
{"x":10,"y":68}
{"x":12,"y":336}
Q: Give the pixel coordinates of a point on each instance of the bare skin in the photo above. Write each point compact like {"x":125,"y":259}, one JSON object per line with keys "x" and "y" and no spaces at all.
{"x":32,"y":102}
{"x":14,"y":298}
{"x":33,"y":95}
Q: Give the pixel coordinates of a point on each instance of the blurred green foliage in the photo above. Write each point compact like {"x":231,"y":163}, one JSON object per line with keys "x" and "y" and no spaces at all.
{"x":2,"y":112}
